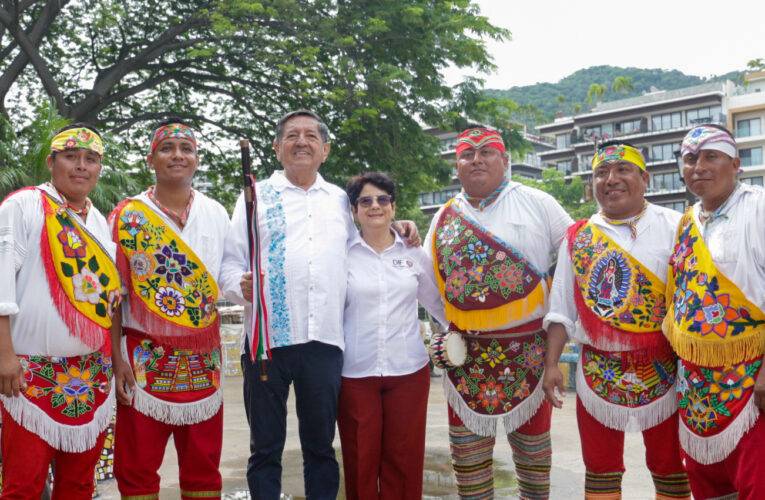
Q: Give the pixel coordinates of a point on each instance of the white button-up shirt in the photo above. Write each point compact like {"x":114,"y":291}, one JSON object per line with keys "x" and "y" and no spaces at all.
{"x":382,"y":331}
{"x":36,"y":326}
{"x":654,"y":244}
{"x":529,"y":220}
{"x":736,"y":240}
{"x":205,"y":232}
{"x":303,"y":236}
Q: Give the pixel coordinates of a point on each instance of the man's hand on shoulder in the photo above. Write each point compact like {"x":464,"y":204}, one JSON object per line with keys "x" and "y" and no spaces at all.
{"x":408,"y":230}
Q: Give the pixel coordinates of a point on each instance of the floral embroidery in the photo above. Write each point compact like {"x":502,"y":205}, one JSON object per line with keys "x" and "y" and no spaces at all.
{"x":73,"y":386}
{"x":709,"y":399}
{"x":475,"y":268}
{"x":278,"y":312}
{"x":626,"y":381}
{"x":72,"y":243}
{"x":165,"y":274}
{"x":87,"y":288}
{"x":496,"y":377}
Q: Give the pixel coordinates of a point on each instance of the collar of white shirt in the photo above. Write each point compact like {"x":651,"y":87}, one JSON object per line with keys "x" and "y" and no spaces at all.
{"x":280,"y":182}
{"x":358,"y":240}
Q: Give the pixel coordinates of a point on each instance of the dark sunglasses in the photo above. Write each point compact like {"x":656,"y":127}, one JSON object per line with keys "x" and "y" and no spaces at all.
{"x":383,"y":200}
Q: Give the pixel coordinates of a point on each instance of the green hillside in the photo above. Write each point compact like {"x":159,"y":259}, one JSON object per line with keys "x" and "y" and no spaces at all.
{"x":544,"y":96}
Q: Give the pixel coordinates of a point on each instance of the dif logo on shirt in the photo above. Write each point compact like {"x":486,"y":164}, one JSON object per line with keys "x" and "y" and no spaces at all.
{"x":402,"y":263}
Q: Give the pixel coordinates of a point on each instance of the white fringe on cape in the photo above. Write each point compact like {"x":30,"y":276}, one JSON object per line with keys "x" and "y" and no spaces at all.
{"x":713,"y":449}
{"x":623,"y":418}
{"x":486,"y":425}
{"x":68,"y":438}
{"x":580,"y":335}
{"x":177,"y":413}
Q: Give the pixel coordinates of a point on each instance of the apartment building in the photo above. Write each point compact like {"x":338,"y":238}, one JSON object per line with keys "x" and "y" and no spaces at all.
{"x":746,"y":118}
{"x":655,"y":123}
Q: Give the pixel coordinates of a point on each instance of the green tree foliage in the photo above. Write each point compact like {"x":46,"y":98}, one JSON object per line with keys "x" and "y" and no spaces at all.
{"x":756,"y":64}
{"x":232,"y":67}
{"x":23,"y":160}
{"x":595,"y":92}
{"x":570,"y":194}
{"x":622,"y":85}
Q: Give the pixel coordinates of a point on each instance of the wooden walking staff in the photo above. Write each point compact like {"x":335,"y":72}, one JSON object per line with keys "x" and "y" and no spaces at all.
{"x":260,"y":348}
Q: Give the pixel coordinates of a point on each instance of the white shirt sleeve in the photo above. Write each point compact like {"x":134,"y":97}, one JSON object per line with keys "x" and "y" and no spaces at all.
{"x":13,"y":249}
{"x":562,"y":307}
{"x":428,"y":294}
{"x":235,"y":255}
{"x":558,"y":222}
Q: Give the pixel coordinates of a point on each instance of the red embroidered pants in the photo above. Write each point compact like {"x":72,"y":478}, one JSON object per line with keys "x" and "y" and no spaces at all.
{"x":603,"y":454}
{"x":743,"y":471}
{"x":26,"y":458}
{"x":139,"y":449}
{"x":382,"y":433}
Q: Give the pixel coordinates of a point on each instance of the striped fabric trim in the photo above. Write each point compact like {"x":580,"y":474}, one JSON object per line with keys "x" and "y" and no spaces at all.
{"x":472,"y":462}
{"x":605,"y":485}
{"x":200,"y":494}
{"x":150,"y":496}
{"x":672,"y":486}
{"x":532,"y":455}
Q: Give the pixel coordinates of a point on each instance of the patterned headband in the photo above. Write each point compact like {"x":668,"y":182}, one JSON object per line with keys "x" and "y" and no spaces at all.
{"x":618,"y":152}
{"x":706,"y":137}
{"x":75,"y":138}
{"x":170,"y":131}
{"x":477,"y":138}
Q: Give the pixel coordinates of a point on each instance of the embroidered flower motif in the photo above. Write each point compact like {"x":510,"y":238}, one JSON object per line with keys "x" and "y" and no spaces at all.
{"x":133,"y":221}
{"x":523,"y":390}
{"x":583,"y":239}
{"x":507,"y":376}
{"x":480,"y":293}
{"x":172,"y":265}
{"x":455,"y":283}
{"x":73,"y":245}
{"x":34,"y":392}
{"x":702,"y":278}
{"x":141,"y":265}
{"x":730,"y":383}
{"x":658,"y":312}
{"x":493,"y":355}
{"x":170,"y":301}
{"x":490,"y":394}
{"x":206,"y":306}
{"x":700,"y":414}
{"x":509,"y":277}
{"x":533,"y":356}
{"x":641,"y":279}
{"x":477,"y":252}
{"x":450,"y":233}
{"x":681,"y":299}
{"x":87,"y":288}
{"x":626,"y":317}
{"x":475,"y":274}
{"x":500,"y":256}
{"x":74,"y":384}
{"x":715,"y":314}
{"x":609,"y":374}
{"x":463,"y":387}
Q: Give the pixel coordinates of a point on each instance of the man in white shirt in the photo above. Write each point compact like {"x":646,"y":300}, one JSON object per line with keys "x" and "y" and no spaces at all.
{"x":492,"y":247}
{"x":304,"y":226}
{"x":609,"y":295}
{"x":58,"y":289}
{"x":167,"y":359}
{"x":716,"y":321}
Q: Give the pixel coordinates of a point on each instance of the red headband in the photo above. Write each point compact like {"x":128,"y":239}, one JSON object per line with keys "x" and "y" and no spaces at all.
{"x":477,"y":138}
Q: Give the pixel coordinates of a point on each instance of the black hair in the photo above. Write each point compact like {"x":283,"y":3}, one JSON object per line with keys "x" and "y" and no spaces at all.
{"x":377,"y":179}
{"x":614,"y":142}
{"x":323,"y":129}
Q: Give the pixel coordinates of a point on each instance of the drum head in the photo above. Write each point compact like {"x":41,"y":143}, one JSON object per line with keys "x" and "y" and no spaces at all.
{"x":456,"y":349}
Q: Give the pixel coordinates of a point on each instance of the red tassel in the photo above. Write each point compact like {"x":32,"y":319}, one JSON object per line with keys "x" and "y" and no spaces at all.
{"x":80,"y":326}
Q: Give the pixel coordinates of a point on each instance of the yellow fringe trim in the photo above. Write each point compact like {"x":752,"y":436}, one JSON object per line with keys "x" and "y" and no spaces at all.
{"x":711,"y":351}
{"x":492,"y":319}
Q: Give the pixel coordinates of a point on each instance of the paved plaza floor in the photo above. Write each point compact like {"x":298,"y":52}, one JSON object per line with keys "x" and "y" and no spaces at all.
{"x":567,"y":469}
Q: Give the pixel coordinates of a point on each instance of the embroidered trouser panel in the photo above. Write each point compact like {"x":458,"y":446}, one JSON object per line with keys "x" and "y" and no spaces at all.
{"x":140,"y":448}
{"x":743,"y":471}
{"x":532,"y":452}
{"x":26,"y":458}
{"x":382,"y":432}
{"x":603,"y":454}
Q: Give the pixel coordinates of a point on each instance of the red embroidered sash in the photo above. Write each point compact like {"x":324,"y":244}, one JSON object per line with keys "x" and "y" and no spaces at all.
{"x":486,"y":283}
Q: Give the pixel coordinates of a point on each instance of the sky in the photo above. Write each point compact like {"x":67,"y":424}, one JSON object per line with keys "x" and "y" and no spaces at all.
{"x":553,"y":38}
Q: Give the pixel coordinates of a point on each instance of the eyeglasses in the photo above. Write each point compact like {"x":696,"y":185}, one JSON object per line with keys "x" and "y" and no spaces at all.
{"x":383,"y":200}
{"x":469,"y":154}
